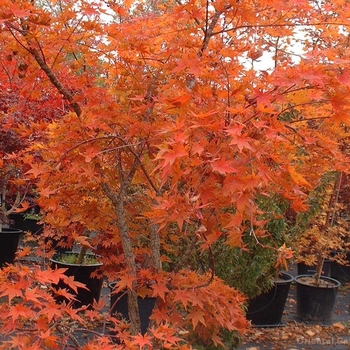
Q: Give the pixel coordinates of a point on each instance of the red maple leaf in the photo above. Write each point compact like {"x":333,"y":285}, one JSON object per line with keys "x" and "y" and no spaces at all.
{"x":344,"y":78}
{"x":222,"y":166}
{"x":241,"y":142}
{"x":20,"y":310}
{"x":51,"y":311}
{"x":159,"y":315}
{"x":50,"y":276}
{"x":64,"y":293}
{"x":46,"y":192}
{"x":13,"y":291}
{"x":170,"y":155}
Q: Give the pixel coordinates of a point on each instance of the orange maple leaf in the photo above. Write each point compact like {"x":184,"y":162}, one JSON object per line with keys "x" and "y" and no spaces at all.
{"x":142,"y":341}
{"x":125,"y":282}
{"x":18,"y":12}
{"x":32,"y":295}
{"x":50,"y":276}
{"x":197,"y":316}
{"x":284,"y":254}
{"x":182,"y":295}
{"x":23,"y":252}
{"x":46,"y":192}
{"x":24,"y":206}
{"x":37,"y":169}
{"x":297,"y":178}
{"x":69,"y":280}
{"x":159,"y":290}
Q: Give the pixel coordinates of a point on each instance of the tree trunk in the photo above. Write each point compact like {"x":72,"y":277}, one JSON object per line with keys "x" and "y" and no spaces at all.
{"x":130,"y":261}
{"x":155,"y":248}
{"x":319,"y":268}
{"x":129,"y":255}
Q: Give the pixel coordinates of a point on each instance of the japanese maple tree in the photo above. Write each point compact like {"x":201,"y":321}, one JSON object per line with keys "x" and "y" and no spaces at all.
{"x":25,"y":111}
{"x":172,"y":132}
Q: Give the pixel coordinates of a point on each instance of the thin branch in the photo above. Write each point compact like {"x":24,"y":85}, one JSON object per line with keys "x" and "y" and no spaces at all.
{"x":60,"y":50}
{"x":7,"y":72}
{"x":117,"y":148}
{"x":212,"y":267}
{"x":146,"y":173}
{"x":209,"y":30}
{"x":206,"y":16}
{"x":276,"y":51}
{"x":132,"y":172}
{"x":308,"y":119}
{"x":40,"y":59}
{"x":334,"y":200}
{"x":69,"y":335}
{"x":54,"y":80}
{"x":126,"y":145}
{"x":279,"y":26}
{"x":195,"y":19}
{"x":300,"y":105}
{"x":41,"y":50}
{"x":295,"y":132}
{"x":121,"y":175}
{"x":10,"y":26}
{"x":186,"y":255}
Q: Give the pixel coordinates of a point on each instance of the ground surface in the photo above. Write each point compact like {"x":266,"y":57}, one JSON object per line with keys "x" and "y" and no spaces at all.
{"x":291,"y":335}
{"x":296,"y":335}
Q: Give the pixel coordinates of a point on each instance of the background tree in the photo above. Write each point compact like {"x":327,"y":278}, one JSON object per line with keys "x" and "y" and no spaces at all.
{"x":25,"y":111}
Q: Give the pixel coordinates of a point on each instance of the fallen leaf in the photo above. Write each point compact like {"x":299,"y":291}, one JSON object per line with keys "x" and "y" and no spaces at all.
{"x":310,"y":333}
{"x":339,"y":325}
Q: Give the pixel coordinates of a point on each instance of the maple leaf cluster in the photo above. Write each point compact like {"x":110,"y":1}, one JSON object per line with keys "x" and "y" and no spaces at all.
{"x":28,"y":309}
{"x":324,"y":230}
{"x":24,"y":116}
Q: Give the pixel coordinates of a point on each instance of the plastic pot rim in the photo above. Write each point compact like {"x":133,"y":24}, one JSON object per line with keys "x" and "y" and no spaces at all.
{"x":71,"y":264}
{"x":334,"y":281}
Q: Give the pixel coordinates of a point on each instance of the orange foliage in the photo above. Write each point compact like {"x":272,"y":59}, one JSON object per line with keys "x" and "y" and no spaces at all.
{"x":169,"y":129}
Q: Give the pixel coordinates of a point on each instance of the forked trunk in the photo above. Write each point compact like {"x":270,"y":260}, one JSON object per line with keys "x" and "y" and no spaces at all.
{"x":130,"y":261}
{"x":82,"y":254}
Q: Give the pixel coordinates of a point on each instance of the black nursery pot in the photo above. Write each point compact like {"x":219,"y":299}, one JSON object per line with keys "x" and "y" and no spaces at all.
{"x":9,"y":238}
{"x":267,"y":309}
{"x":341,"y":272}
{"x":31,"y":225}
{"x":81,"y":273}
{"x":304,"y":269}
{"x":314,"y":303}
{"x":119,"y":305}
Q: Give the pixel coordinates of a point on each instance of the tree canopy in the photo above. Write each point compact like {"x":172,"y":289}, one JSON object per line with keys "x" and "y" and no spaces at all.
{"x":165,"y":124}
